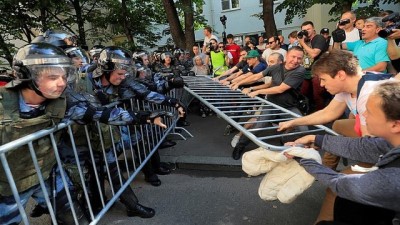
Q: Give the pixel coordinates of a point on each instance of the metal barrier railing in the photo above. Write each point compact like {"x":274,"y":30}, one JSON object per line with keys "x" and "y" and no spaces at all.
{"x":234,"y":106}
{"x":127,"y":147}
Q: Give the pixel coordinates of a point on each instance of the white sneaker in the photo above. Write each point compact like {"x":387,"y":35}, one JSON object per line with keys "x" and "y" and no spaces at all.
{"x":235,"y":140}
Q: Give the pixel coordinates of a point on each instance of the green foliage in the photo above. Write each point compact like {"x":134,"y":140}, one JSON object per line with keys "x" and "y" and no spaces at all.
{"x":26,"y":18}
{"x":299,"y":8}
{"x":16,"y":24}
{"x":199,"y":20}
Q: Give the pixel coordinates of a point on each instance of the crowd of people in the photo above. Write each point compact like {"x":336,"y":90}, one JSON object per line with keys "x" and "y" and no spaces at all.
{"x":348,"y":77}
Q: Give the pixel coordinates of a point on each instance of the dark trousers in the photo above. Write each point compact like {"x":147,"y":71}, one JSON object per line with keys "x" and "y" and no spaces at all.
{"x":312,"y":89}
{"x":347,"y":212}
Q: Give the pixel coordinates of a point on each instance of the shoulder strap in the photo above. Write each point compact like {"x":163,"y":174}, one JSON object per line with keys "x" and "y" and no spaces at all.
{"x":8,"y":104}
{"x":371,"y":77}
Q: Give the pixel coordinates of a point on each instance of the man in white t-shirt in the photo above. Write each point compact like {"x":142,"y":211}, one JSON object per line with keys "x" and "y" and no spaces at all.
{"x":274,"y":46}
{"x":352,"y":33}
{"x":340,"y":73}
{"x":207,"y":37}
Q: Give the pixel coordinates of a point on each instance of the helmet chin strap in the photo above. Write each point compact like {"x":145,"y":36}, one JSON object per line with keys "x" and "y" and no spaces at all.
{"x":32,"y":85}
{"x":107,"y":75}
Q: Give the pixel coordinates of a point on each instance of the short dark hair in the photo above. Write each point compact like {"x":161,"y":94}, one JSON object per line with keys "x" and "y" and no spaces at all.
{"x":213,"y":39}
{"x":293,"y":34}
{"x":295,"y":48}
{"x":332,"y":62}
{"x":208,"y":28}
{"x":389,"y":92}
{"x":276,"y":38}
{"x":307,"y":23}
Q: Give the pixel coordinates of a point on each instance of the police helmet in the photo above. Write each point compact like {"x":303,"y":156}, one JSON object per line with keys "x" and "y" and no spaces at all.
{"x":177,"y":52}
{"x":113,"y":58}
{"x":156,"y":55}
{"x":137,"y":56}
{"x":33,"y":59}
{"x":77,"y":52}
{"x":95,"y":51}
{"x":143,"y":72}
{"x":165,"y":55}
{"x":60,"y":38}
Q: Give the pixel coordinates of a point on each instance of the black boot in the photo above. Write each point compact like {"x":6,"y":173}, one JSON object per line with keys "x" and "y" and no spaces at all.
{"x":63,"y":210}
{"x":38,"y":211}
{"x":237,"y":151}
{"x":156,"y":165}
{"x":149,"y":175}
{"x":167,"y":144}
{"x":128,"y":197}
{"x":136,"y":209}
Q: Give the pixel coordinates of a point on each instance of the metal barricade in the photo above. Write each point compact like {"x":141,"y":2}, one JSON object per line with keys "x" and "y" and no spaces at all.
{"x":185,"y":98}
{"x":234,"y":107}
{"x":97,"y":146}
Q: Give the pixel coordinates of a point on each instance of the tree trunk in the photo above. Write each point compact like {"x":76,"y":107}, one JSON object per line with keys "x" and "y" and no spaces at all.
{"x":189,"y":23}
{"x":80,"y":22}
{"x":268,"y":18}
{"x":175,"y":27}
{"x":43,"y":16}
{"x":347,"y":6}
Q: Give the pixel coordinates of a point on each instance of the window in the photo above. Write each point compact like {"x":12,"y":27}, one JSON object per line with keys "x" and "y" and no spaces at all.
{"x":229,"y":4}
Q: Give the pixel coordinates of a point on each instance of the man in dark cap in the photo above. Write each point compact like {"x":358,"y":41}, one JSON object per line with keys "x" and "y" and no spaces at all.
{"x":325,"y":32}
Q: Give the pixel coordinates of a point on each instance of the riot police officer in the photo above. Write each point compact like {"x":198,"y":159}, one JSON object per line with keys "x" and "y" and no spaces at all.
{"x":30,"y":103}
{"x":109,"y":88}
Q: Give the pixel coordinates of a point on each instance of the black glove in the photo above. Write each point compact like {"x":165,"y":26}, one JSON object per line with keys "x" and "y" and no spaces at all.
{"x":176,"y":72}
{"x":140,"y":116}
{"x":338,"y":35}
{"x":176,"y":82}
{"x":155,"y":114}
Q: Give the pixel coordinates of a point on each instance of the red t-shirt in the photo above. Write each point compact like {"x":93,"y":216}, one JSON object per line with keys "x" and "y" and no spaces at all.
{"x":234,"y":49}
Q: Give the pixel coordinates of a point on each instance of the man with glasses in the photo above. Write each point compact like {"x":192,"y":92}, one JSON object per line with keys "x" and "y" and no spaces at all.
{"x":274,"y":46}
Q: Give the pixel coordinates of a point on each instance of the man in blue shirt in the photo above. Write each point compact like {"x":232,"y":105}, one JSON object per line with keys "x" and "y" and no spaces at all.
{"x":254,"y":66}
{"x":371,"y":50}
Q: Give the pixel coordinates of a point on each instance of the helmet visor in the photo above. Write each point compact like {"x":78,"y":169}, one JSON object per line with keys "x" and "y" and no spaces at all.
{"x":121,"y":64}
{"x":79,"y":56}
{"x":56,"y":74}
{"x":144,"y":73}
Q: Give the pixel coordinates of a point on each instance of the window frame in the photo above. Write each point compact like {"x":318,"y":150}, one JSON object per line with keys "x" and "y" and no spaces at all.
{"x":230,"y":5}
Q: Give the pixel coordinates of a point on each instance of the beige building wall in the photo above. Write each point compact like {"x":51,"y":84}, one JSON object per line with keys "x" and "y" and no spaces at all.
{"x":319,"y":15}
